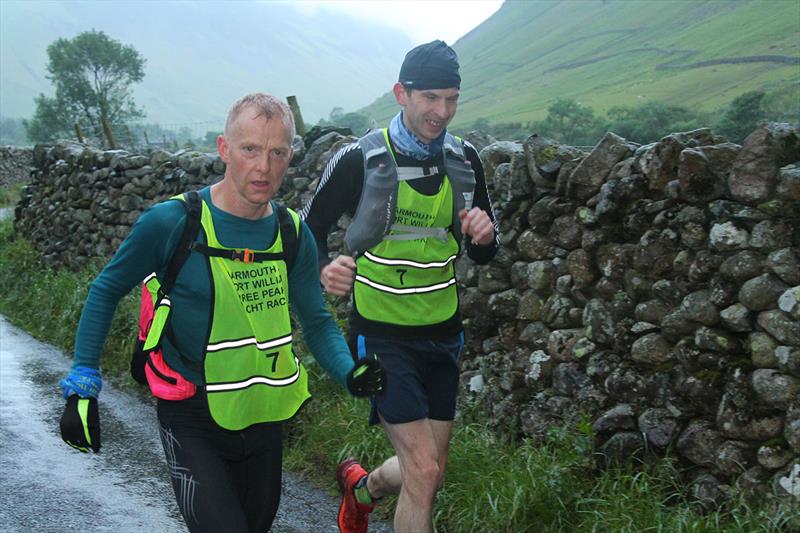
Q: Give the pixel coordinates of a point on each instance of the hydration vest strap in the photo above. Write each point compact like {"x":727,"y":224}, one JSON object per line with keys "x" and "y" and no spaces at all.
{"x":412,"y":173}
{"x":375,"y":151}
{"x":193,"y":206}
{"x":289,"y":239}
{"x":246,"y":255}
{"x":409,"y":233}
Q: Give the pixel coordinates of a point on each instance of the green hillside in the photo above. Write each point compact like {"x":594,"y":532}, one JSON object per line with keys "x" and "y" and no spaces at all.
{"x":605,"y":53}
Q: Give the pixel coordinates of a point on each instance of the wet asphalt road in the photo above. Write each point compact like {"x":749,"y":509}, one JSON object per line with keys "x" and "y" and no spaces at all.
{"x":46,"y":486}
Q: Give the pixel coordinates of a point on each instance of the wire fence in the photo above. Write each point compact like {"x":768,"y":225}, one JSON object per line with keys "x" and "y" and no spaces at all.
{"x":140,"y":136}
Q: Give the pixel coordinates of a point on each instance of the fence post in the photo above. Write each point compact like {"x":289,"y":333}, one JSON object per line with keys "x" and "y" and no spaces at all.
{"x":78,"y":133}
{"x":299,"y":125}
{"x":109,"y":136}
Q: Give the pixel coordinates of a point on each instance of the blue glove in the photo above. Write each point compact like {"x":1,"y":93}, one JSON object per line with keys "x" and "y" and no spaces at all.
{"x":83,"y":381}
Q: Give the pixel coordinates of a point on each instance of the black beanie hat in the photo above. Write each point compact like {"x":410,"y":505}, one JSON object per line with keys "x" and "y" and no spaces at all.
{"x":432,"y":65}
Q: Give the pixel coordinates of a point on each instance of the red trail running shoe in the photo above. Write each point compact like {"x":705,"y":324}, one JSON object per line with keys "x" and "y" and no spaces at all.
{"x":353,"y":515}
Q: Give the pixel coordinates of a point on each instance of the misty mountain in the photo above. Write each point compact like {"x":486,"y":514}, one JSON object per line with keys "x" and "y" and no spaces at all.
{"x":203,"y":55}
{"x":699,"y":54}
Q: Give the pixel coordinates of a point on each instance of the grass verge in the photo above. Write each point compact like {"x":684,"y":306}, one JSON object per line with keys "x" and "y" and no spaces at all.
{"x":9,"y":194}
{"x":494,"y":483}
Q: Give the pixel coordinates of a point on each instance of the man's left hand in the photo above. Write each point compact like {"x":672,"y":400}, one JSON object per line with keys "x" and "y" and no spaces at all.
{"x":367,"y":378}
{"x":477,"y":224}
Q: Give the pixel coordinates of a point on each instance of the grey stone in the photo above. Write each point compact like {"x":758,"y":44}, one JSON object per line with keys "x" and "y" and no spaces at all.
{"x":762,"y":349}
{"x":736,"y":318}
{"x":620,"y":417}
{"x":789,"y":183}
{"x":541,"y":275}
{"x":761,"y":292}
{"x":622,"y":448}
{"x":565,"y":232}
{"x":788,"y":358}
{"x":727,"y":237}
{"x":598,"y":321}
{"x":755,"y":172}
{"x":534,"y":246}
{"x":774,"y":388}
{"x":587,"y":178}
{"x":556,"y":312}
{"x":698,"y":443}
{"x":651,"y":311}
{"x":698,"y":307}
{"x":651,"y":349}
{"x":791,"y":431}
{"x":781,"y":326}
{"x":774,"y":457}
{"x":736,"y":422}
{"x":770,"y":235}
{"x":716,"y":340}
{"x":785,"y":264}
{"x":496,"y":154}
{"x":658,"y":162}
{"x":659,"y":427}
{"x":535,"y":335}
{"x":742,"y":266}
{"x":789,"y":302}
{"x":734,"y":457}
{"x":504,"y":304}
{"x":699,"y":183}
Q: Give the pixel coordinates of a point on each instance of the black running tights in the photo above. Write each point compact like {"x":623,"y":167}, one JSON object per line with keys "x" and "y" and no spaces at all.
{"x":224,"y":481}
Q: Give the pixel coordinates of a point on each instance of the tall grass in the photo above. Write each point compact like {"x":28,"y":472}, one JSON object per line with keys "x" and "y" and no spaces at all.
{"x":9,"y":194}
{"x":494,"y":483}
{"x":48,"y":303}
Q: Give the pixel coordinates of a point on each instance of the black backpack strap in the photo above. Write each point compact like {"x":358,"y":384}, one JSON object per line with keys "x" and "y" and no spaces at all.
{"x":193,"y":205}
{"x":290,"y":236}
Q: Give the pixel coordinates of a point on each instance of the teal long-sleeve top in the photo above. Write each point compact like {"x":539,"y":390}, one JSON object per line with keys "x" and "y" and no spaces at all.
{"x":148,"y":249}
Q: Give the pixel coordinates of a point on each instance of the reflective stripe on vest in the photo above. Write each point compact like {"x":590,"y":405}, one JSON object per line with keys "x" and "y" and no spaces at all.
{"x":251,"y":372}
{"x":375,"y":216}
{"x":411,"y":282}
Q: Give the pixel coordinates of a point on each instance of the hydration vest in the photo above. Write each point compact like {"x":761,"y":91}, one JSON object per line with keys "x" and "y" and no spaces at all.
{"x":376,"y":211}
{"x":405,"y":242}
{"x":251,"y":372}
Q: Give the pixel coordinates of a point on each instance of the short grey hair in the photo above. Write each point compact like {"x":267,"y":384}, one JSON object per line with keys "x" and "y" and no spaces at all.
{"x":266,"y":105}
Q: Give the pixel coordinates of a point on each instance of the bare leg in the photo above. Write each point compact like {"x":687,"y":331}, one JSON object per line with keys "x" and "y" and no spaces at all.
{"x":416,"y":472}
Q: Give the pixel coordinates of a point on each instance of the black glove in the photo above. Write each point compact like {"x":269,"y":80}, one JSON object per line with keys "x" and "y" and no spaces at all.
{"x":80,"y":423}
{"x":367,"y":378}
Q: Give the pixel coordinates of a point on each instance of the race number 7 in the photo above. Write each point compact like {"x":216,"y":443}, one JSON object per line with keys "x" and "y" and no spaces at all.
{"x":274,"y":356}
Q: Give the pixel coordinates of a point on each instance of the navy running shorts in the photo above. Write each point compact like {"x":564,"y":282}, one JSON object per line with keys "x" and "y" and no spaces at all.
{"x":421,"y":377}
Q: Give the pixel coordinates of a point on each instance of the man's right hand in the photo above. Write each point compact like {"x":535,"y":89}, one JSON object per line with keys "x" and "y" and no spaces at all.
{"x":80,"y":424}
{"x":338,"y":276}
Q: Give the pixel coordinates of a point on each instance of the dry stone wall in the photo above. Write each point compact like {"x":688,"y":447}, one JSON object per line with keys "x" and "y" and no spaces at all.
{"x":654,"y":289}
{"x":15,"y":164}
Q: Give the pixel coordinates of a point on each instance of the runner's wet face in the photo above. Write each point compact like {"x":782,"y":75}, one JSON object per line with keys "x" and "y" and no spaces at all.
{"x":428,"y":112}
{"x":257,"y":153}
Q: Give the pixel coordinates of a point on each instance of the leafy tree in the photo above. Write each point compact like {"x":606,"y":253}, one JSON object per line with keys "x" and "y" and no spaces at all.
{"x":651,"y":121}
{"x":12,"y":131}
{"x":480,"y":124}
{"x":570,"y":122}
{"x":742,"y":116}
{"x":92,"y":74}
{"x":357,"y":122}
